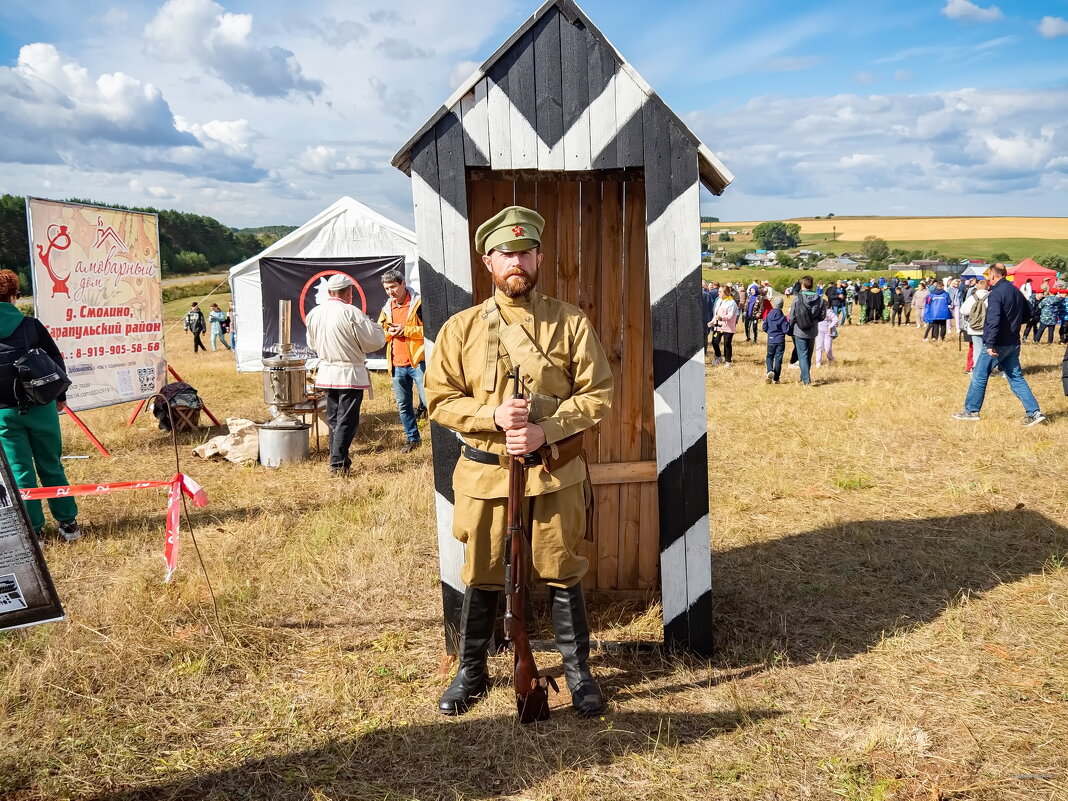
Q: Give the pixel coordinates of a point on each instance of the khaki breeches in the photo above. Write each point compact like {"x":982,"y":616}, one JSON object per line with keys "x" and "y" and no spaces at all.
{"x":557,"y":525}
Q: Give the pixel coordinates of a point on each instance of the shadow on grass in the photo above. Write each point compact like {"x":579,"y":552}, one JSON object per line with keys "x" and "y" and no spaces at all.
{"x":837,"y":591}
{"x":466,"y":758}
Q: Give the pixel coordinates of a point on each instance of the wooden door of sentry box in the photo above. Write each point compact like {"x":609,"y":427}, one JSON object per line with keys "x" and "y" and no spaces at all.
{"x":595,"y":258}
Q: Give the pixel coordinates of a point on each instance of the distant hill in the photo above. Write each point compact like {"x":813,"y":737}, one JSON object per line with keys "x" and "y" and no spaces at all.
{"x":267,"y":234}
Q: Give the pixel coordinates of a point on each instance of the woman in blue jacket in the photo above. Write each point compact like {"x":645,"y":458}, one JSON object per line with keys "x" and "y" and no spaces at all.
{"x":935,"y":312}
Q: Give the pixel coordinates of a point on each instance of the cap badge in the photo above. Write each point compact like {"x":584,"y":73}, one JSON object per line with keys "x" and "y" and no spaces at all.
{"x":517,"y":230}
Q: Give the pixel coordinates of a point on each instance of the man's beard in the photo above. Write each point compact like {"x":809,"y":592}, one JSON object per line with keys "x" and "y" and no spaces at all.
{"x":515,"y":285}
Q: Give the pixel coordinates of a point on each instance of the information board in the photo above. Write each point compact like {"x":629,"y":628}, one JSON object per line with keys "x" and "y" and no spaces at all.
{"x":27,"y":595}
{"x":96,"y":288}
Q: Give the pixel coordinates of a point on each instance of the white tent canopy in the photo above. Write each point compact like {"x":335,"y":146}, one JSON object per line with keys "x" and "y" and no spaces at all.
{"x":348,"y":229}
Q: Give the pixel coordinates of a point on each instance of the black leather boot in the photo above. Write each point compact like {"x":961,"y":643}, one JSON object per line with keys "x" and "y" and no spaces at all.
{"x":476,"y":631}
{"x":573,"y":640}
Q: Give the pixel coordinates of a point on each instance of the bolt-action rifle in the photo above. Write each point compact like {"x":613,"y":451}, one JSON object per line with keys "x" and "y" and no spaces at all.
{"x":531,"y":689}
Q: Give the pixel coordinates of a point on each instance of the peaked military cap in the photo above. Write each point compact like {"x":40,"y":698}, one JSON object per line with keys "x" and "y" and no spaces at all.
{"x":510,"y":230}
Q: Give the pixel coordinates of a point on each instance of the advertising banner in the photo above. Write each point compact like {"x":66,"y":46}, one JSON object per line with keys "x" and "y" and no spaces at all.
{"x":303,"y":281}
{"x":27,"y":595}
{"x":96,"y":288}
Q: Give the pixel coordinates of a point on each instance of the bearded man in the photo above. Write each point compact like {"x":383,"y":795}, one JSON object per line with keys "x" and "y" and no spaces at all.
{"x":567,"y":388}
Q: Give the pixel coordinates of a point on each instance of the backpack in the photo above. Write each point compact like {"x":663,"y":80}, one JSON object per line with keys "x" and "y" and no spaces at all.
{"x":37,"y":379}
{"x":803,"y":315}
{"x":977,"y":316}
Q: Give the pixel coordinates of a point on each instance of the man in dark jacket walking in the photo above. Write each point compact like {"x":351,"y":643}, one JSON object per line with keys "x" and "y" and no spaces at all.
{"x":805,"y":316}
{"x":194,"y":323}
{"x":1006,"y":311}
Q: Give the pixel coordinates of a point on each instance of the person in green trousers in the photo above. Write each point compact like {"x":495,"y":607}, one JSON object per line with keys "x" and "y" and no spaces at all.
{"x":31,"y":439}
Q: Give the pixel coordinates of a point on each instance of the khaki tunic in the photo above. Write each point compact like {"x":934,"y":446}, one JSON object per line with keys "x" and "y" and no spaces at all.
{"x":566,"y":377}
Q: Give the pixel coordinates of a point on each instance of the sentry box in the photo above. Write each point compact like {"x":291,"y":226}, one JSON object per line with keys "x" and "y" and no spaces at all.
{"x":558,"y":121}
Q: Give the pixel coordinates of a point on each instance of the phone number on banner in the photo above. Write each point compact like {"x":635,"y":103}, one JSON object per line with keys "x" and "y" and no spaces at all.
{"x":112,"y":350}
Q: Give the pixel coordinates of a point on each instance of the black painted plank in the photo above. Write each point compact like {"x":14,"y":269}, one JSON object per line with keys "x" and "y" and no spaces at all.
{"x":452,"y":602}
{"x":701,"y":635}
{"x":425,"y":160}
{"x":548,"y":87}
{"x":521,"y":80}
{"x":630,"y":149}
{"x":452,"y":182}
{"x":575,"y":65}
{"x":603,"y":67}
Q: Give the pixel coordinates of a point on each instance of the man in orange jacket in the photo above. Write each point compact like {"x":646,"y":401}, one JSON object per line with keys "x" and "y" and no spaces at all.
{"x":402,"y":320}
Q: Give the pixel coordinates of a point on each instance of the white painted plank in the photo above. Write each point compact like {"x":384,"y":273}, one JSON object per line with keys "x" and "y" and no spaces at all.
{"x":604,"y":125}
{"x":698,"y":560}
{"x":473,"y":108}
{"x":499,"y":109}
{"x":450,"y":549}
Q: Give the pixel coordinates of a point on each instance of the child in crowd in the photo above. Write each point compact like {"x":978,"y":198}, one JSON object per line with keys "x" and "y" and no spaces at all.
{"x":827,"y":330}
{"x":776,"y":326}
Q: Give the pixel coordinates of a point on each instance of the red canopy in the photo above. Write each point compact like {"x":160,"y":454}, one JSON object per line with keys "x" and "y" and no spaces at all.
{"x":1029,"y":268}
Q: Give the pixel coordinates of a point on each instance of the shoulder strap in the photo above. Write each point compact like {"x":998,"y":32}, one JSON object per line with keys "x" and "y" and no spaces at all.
{"x":27,"y":325}
{"x":523,"y":351}
{"x":492,"y":315}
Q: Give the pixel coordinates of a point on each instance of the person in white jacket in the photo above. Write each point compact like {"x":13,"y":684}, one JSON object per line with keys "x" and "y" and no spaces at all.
{"x":341,"y":336}
{"x":977,"y":297}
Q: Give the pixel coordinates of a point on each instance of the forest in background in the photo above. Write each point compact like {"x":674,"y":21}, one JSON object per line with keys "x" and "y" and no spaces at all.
{"x":189,"y":243}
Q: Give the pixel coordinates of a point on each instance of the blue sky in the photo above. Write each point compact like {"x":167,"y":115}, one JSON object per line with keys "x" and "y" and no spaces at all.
{"x":265,"y":112}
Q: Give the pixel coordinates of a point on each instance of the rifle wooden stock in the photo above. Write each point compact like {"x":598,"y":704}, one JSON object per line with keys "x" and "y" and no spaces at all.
{"x":531,"y":689}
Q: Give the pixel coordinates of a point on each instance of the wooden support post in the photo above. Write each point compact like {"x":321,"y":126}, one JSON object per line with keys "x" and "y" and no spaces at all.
{"x":87,"y":432}
{"x":136,"y":412}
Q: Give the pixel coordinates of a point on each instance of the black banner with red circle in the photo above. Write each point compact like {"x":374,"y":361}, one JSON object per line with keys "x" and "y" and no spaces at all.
{"x":303,"y":281}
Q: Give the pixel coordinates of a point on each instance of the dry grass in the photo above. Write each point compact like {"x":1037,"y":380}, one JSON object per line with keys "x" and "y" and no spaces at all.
{"x":909,"y":228}
{"x":890,"y":625}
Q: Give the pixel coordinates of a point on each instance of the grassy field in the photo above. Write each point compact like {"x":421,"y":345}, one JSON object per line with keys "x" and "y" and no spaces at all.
{"x":974,"y":237}
{"x":925,"y":228}
{"x":891,"y":613}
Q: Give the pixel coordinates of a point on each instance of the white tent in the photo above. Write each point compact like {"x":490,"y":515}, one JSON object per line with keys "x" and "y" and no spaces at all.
{"x":348,"y":229}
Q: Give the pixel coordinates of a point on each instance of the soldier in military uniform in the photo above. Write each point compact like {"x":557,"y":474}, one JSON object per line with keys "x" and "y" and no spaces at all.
{"x":567,"y":384}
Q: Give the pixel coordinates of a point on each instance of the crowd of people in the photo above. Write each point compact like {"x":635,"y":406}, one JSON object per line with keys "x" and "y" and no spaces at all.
{"x":989,"y":313}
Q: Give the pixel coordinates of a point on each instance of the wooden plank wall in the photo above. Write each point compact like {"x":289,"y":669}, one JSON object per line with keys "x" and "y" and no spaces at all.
{"x":595,"y":258}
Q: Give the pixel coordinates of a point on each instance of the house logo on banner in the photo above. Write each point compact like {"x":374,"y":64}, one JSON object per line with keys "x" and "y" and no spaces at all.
{"x":96,"y":279}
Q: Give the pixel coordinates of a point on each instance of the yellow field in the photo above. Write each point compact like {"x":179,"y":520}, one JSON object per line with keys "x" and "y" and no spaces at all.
{"x":898,"y":228}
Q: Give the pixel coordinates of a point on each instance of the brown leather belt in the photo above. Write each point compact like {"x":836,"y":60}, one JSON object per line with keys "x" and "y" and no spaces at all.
{"x":499,"y":459}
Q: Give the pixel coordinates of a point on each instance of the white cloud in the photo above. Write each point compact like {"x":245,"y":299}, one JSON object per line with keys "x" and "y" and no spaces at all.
{"x":202,"y":31}
{"x":233,"y":137}
{"x":54,"y":111}
{"x":902,"y":75}
{"x":398,"y":103}
{"x":964,"y":9}
{"x":325,"y":160}
{"x":864,"y":77}
{"x":1052,"y":27}
{"x":461,"y":72}
{"x":155,"y":192}
{"x":935,"y":145}
{"x":401,"y":49}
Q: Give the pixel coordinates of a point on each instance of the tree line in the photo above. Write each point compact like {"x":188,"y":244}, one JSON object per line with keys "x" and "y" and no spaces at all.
{"x":188,"y":243}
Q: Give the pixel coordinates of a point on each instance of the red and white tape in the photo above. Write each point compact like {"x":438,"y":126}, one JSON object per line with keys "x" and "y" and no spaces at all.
{"x":177,"y":485}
